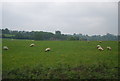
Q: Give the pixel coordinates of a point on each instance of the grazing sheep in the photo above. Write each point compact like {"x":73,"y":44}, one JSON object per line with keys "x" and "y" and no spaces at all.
{"x":47,"y":49}
{"x":100,"y":48}
{"x":5,"y":48}
{"x":109,"y":48}
{"x":31,"y":45}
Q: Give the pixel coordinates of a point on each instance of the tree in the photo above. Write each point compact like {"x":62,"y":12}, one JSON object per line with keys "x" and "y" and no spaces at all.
{"x":40,"y":35}
{"x":5,"y":31}
{"x":58,"y":32}
{"x":71,"y":38}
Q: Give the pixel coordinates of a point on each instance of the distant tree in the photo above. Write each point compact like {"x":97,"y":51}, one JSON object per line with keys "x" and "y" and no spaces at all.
{"x":5,"y":31}
{"x":40,"y":35}
{"x":58,"y":32}
{"x":71,"y":38}
{"x":19,"y":36}
{"x":58,"y":35}
{"x":118,"y":37}
{"x":74,"y":34}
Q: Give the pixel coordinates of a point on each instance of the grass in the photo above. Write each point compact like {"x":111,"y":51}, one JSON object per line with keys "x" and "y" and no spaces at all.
{"x":64,"y":55}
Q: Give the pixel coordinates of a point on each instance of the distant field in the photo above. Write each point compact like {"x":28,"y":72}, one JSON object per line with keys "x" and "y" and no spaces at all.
{"x":66,"y":60}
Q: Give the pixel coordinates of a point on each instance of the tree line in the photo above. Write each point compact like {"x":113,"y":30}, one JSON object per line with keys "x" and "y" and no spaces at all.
{"x":41,"y":35}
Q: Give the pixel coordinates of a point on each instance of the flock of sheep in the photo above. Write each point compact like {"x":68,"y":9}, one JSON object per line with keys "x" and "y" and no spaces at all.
{"x":31,"y":45}
{"x":48,"y":49}
{"x":101,"y":49}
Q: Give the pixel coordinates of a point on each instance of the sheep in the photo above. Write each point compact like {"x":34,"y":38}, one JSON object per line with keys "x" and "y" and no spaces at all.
{"x":109,"y":48}
{"x":5,"y":47}
{"x":47,"y":49}
{"x":31,"y":45}
{"x":100,"y":48}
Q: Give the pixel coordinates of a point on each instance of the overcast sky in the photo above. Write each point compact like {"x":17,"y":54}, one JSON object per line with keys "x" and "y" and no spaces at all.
{"x":69,"y":17}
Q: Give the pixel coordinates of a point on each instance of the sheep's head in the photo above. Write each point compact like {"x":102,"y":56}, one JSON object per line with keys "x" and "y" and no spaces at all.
{"x":98,"y":46}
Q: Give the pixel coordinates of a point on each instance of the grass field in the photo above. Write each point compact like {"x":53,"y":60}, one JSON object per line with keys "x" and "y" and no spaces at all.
{"x":66,"y":60}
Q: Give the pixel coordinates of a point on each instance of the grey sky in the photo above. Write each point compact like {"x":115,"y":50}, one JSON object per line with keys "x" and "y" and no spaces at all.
{"x":68,"y":17}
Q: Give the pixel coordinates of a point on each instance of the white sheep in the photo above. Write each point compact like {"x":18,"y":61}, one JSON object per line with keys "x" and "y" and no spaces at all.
{"x":5,"y":47}
{"x":31,"y":45}
{"x":109,"y":48}
{"x":47,"y":49}
{"x":100,"y":48}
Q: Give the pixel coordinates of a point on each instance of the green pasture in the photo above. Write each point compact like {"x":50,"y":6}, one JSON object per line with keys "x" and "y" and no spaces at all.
{"x":72,"y":53}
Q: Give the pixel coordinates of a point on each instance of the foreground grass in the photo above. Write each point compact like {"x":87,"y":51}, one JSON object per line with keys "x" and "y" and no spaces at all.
{"x":98,"y":71}
{"x":67,"y":59}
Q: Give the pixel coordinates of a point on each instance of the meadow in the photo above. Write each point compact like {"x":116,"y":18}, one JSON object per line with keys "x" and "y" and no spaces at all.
{"x":66,"y":60}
